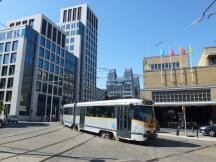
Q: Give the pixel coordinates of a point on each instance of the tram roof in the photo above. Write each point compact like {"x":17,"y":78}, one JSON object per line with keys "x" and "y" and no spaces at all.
{"x":108,"y":102}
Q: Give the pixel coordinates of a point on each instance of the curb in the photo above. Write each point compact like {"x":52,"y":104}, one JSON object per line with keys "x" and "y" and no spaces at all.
{"x":213,"y":139}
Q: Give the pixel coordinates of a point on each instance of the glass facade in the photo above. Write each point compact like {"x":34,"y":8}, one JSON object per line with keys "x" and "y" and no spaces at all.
{"x":182,"y":96}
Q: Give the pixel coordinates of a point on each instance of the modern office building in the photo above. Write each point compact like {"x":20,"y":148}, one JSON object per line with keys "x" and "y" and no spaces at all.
{"x":126,"y":87}
{"x":100,"y":94}
{"x":178,"y":87}
{"x":81,"y":28}
{"x":32,"y":55}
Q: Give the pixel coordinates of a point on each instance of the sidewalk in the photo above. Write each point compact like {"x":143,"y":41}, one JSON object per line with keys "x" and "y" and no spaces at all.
{"x":190,"y":135}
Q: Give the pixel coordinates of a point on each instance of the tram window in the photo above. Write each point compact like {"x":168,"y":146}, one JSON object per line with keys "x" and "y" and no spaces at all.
{"x":67,"y":110}
{"x":77,"y":111}
{"x":142,"y":113}
{"x":101,"y":111}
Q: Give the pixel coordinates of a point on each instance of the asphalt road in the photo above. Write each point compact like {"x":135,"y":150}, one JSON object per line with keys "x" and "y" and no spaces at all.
{"x":31,"y":142}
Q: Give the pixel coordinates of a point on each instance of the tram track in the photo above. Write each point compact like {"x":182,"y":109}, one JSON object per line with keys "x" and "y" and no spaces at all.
{"x":69,"y":149}
{"x":15,"y":135}
{"x":43,"y":147}
{"x":181,"y":153}
{"x":30,"y":137}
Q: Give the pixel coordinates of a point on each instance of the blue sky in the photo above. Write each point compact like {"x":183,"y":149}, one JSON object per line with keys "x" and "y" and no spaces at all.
{"x":129,"y":29}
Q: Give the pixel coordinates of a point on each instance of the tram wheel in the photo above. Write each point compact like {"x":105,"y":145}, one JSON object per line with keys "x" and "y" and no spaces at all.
{"x":103,"y":134}
{"x":76,"y":128}
{"x":111,"y":136}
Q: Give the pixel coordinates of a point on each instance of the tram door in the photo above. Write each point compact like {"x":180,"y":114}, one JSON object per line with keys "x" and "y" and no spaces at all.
{"x":123,"y":121}
{"x":82,"y":117}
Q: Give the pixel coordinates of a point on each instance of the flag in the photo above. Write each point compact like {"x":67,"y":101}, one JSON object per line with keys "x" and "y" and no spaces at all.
{"x":172,"y":53}
{"x":190,"y":50}
{"x":162,"y":52}
{"x":145,"y":66}
{"x":182,"y":51}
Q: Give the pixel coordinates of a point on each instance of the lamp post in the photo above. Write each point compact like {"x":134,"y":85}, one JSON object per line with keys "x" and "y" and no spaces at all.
{"x":51,"y":106}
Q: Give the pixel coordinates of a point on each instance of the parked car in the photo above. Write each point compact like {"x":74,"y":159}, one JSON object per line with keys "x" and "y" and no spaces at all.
{"x":12,"y":119}
{"x":208,"y":130}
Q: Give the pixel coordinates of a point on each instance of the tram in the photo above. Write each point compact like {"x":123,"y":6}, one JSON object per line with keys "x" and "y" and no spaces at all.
{"x":131,"y":119}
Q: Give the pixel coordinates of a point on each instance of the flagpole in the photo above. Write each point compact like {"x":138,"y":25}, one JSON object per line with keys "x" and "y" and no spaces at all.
{"x":161,"y":72}
{"x":181,"y":65}
{"x":191,"y":69}
{"x":171,"y":68}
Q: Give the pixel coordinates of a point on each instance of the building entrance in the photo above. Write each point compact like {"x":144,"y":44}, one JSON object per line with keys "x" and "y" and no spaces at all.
{"x":169,"y":117}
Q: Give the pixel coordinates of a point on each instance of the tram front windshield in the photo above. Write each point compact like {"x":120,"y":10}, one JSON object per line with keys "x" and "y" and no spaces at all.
{"x":143,"y":113}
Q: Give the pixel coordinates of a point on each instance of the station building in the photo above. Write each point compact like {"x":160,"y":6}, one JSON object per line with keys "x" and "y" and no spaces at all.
{"x":175,"y":86}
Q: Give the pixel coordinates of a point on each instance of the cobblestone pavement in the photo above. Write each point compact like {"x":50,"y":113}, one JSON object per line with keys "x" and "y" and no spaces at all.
{"x":31,"y":142}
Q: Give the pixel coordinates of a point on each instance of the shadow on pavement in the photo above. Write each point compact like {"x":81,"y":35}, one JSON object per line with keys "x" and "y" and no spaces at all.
{"x":25,"y":124}
{"x":162,"y":143}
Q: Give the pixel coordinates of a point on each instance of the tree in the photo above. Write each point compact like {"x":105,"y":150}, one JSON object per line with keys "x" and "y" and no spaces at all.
{"x":1,"y":107}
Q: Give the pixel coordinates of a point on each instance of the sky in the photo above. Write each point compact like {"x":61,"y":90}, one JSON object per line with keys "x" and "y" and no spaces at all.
{"x":129,"y":29}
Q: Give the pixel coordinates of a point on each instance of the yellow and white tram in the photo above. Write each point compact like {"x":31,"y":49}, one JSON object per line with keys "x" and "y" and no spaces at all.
{"x":131,"y":119}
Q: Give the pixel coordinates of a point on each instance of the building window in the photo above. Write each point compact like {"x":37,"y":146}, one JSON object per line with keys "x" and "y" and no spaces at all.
{"x":1,"y":47}
{"x":57,"y":60}
{"x":54,"y":34}
{"x":1,"y":95}
{"x":68,"y":26}
{"x":53,"y":47}
{"x":7,"y":46}
{"x":0,"y":59}
{"x":58,"y":50}
{"x":6,"y":59}
{"x":52,"y":58}
{"x":44,"y":88}
{"x":56,"y":69}
{"x":15,"y":45}
{"x":40,"y":63}
{"x":59,"y":38}
{"x":79,"y":13}
{"x":63,"y":27}
{"x":4,"y":70}
{"x":64,"y":15}
{"x":8,"y":96}
{"x":71,"y":47}
{"x":62,"y":52}
{"x":39,"y":74}
{"x":72,"y":40}
{"x":11,"y":69}
{"x":41,"y":52}
{"x":44,"y":24}
{"x":9,"y":35}
{"x":182,"y":96}
{"x":38,"y":86}
{"x":10,"y":83}
{"x":31,"y":22}
{"x":49,"y":31}
{"x":42,"y":41}
{"x":13,"y":58}
{"x":50,"y":89}
{"x":74,"y":14}
{"x":48,"y":44}
{"x":2,"y":83}
{"x":45,"y":76}
{"x":47,"y":55}
{"x":51,"y":69}
{"x":2,"y":36}
{"x":46,"y":65}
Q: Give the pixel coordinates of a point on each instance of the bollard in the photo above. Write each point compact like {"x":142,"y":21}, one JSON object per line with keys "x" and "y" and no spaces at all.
{"x":197,"y":132}
{"x":177,"y":131}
